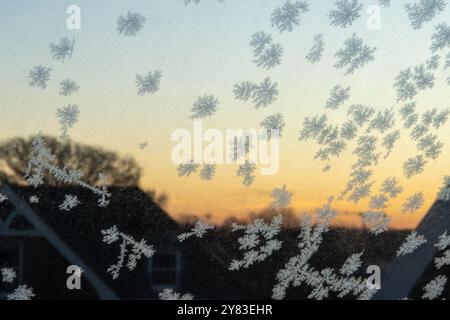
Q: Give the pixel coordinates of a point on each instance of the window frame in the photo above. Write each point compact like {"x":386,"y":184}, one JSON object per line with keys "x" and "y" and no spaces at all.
{"x":157,"y":286}
{"x":18,"y":246}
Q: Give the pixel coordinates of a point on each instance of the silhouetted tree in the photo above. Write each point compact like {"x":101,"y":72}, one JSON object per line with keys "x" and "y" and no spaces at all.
{"x":121,"y":171}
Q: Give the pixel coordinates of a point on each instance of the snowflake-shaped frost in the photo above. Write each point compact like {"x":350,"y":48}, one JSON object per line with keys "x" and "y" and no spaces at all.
{"x":391,"y":188}
{"x":414,"y":166}
{"x":281,"y":197}
{"x":383,"y":121}
{"x":359,"y":180}
{"x":298,"y":270}
{"x":148,"y":83}
{"x":41,"y":160}
{"x":365,"y":151}
{"x":185,"y":169}
{"x":261,"y":95}
{"x":266,"y":54}
{"x":444,"y":192}
{"x":169,"y":294}
{"x":433,"y":62}
{"x":419,"y":131}
{"x":22,"y":292}
{"x":138,"y":250}
{"x":273,"y":122}
{"x":441,"y":38}
{"x":271,"y":57}
{"x":338,"y":96}
{"x":286,"y":17}
{"x":207,"y":172}
{"x":312,"y":127}
{"x":143,"y":145}
{"x":349,"y":130}
{"x":443,"y":244}
{"x":199,"y":230}
{"x":204,"y":106}
{"x":244,"y":90}
{"x":428,"y":116}
{"x":130,"y":24}
{"x":430,"y":145}
{"x":424,"y":11}
{"x":389,"y":141}
{"x":434,"y":288}
{"x":257,"y":234}
{"x":246,"y":171}
{"x":260,"y":40}
{"x":412,"y":242}
{"x":62,"y":50}
{"x":377,"y":222}
{"x":68,"y":116}
{"x":265,"y":93}
{"x":3,"y":198}
{"x":68,"y":87}
{"x":360,"y":114}
{"x":39,"y":76}
{"x":316,"y":52}
{"x":404,"y":85}
{"x":442,"y":261}
{"x":413,"y":203}
{"x":423,"y":79}
{"x":444,"y":241}
{"x":408,"y":114}
{"x":360,"y":192}
{"x":351,"y":265}
{"x":345,"y":13}
{"x":378,"y":202}
{"x":8,"y":275}
{"x":441,"y":118}
{"x":69,"y":202}
{"x":33,"y":199}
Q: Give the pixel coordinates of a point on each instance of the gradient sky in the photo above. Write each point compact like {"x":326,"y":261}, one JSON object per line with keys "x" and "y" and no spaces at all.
{"x":204,"y":49}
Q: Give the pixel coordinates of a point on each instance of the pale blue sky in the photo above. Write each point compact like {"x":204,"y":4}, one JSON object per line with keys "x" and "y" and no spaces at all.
{"x":200,"y":49}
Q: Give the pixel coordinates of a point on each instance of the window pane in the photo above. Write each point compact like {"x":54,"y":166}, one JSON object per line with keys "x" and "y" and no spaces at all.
{"x":164,"y":277}
{"x":164,"y":261}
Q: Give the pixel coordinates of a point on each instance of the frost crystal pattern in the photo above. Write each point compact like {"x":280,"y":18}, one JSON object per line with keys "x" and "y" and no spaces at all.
{"x":138,"y":250}
{"x":205,"y":106}
{"x":148,"y":83}
{"x":345,"y":13}
{"x":62,"y":50}
{"x":412,"y":242}
{"x":68,"y":87}
{"x":68,"y":116}
{"x":287,"y":16}
{"x":258,"y":241}
{"x":130,"y":24}
{"x":354,"y":55}
{"x":39,"y":76}
{"x":424,"y":11}
{"x":199,"y":230}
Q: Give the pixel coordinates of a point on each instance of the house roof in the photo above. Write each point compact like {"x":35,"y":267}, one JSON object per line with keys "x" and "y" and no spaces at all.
{"x":79,"y":230}
{"x":403,"y":274}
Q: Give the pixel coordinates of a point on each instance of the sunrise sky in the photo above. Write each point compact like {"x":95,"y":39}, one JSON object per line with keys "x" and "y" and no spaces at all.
{"x":204,"y":49}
